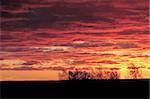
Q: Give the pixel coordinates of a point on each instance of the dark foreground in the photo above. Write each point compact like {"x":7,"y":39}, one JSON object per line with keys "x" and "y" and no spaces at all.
{"x":86,"y":88}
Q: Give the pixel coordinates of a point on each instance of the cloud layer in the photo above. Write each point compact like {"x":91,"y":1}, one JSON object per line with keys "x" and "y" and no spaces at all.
{"x":68,"y":34}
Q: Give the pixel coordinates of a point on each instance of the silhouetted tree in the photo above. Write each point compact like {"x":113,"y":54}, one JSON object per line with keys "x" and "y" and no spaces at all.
{"x":134,"y":72}
{"x":114,"y":75}
{"x":84,"y":75}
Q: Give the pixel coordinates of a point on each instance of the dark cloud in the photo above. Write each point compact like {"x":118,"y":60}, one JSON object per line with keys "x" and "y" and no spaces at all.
{"x":100,"y":68}
{"x":6,"y":14}
{"x":42,"y":68}
{"x":133,"y":31}
{"x":11,"y":45}
{"x":105,"y":44}
{"x":79,"y":44}
{"x":17,"y":4}
{"x":30,"y":63}
{"x":13,"y":4}
{"x":140,"y":56}
{"x":21,"y":68}
{"x":77,"y":62}
{"x":13,"y":49}
{"x":55,"y":68}
{"x":17,"y":25}
{"x":6,"y":37}
{"x":107,"y":54}
{"x":106,"y":62}
{"x":126,"y":45}
{"x":89,"y":33}
{"x":53,"y":15}
{"x":59,"y":14}
{"x":48,"y":35}
{"x":134,"y":68}
{"x":129,"y":32}
{"x":146,"y":32}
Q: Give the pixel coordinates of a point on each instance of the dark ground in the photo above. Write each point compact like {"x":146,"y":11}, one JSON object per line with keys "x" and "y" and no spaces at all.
{"x":86,"y":89}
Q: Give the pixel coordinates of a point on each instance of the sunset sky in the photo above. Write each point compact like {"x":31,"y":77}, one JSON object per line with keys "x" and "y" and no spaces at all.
{"x":41,"y":38}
